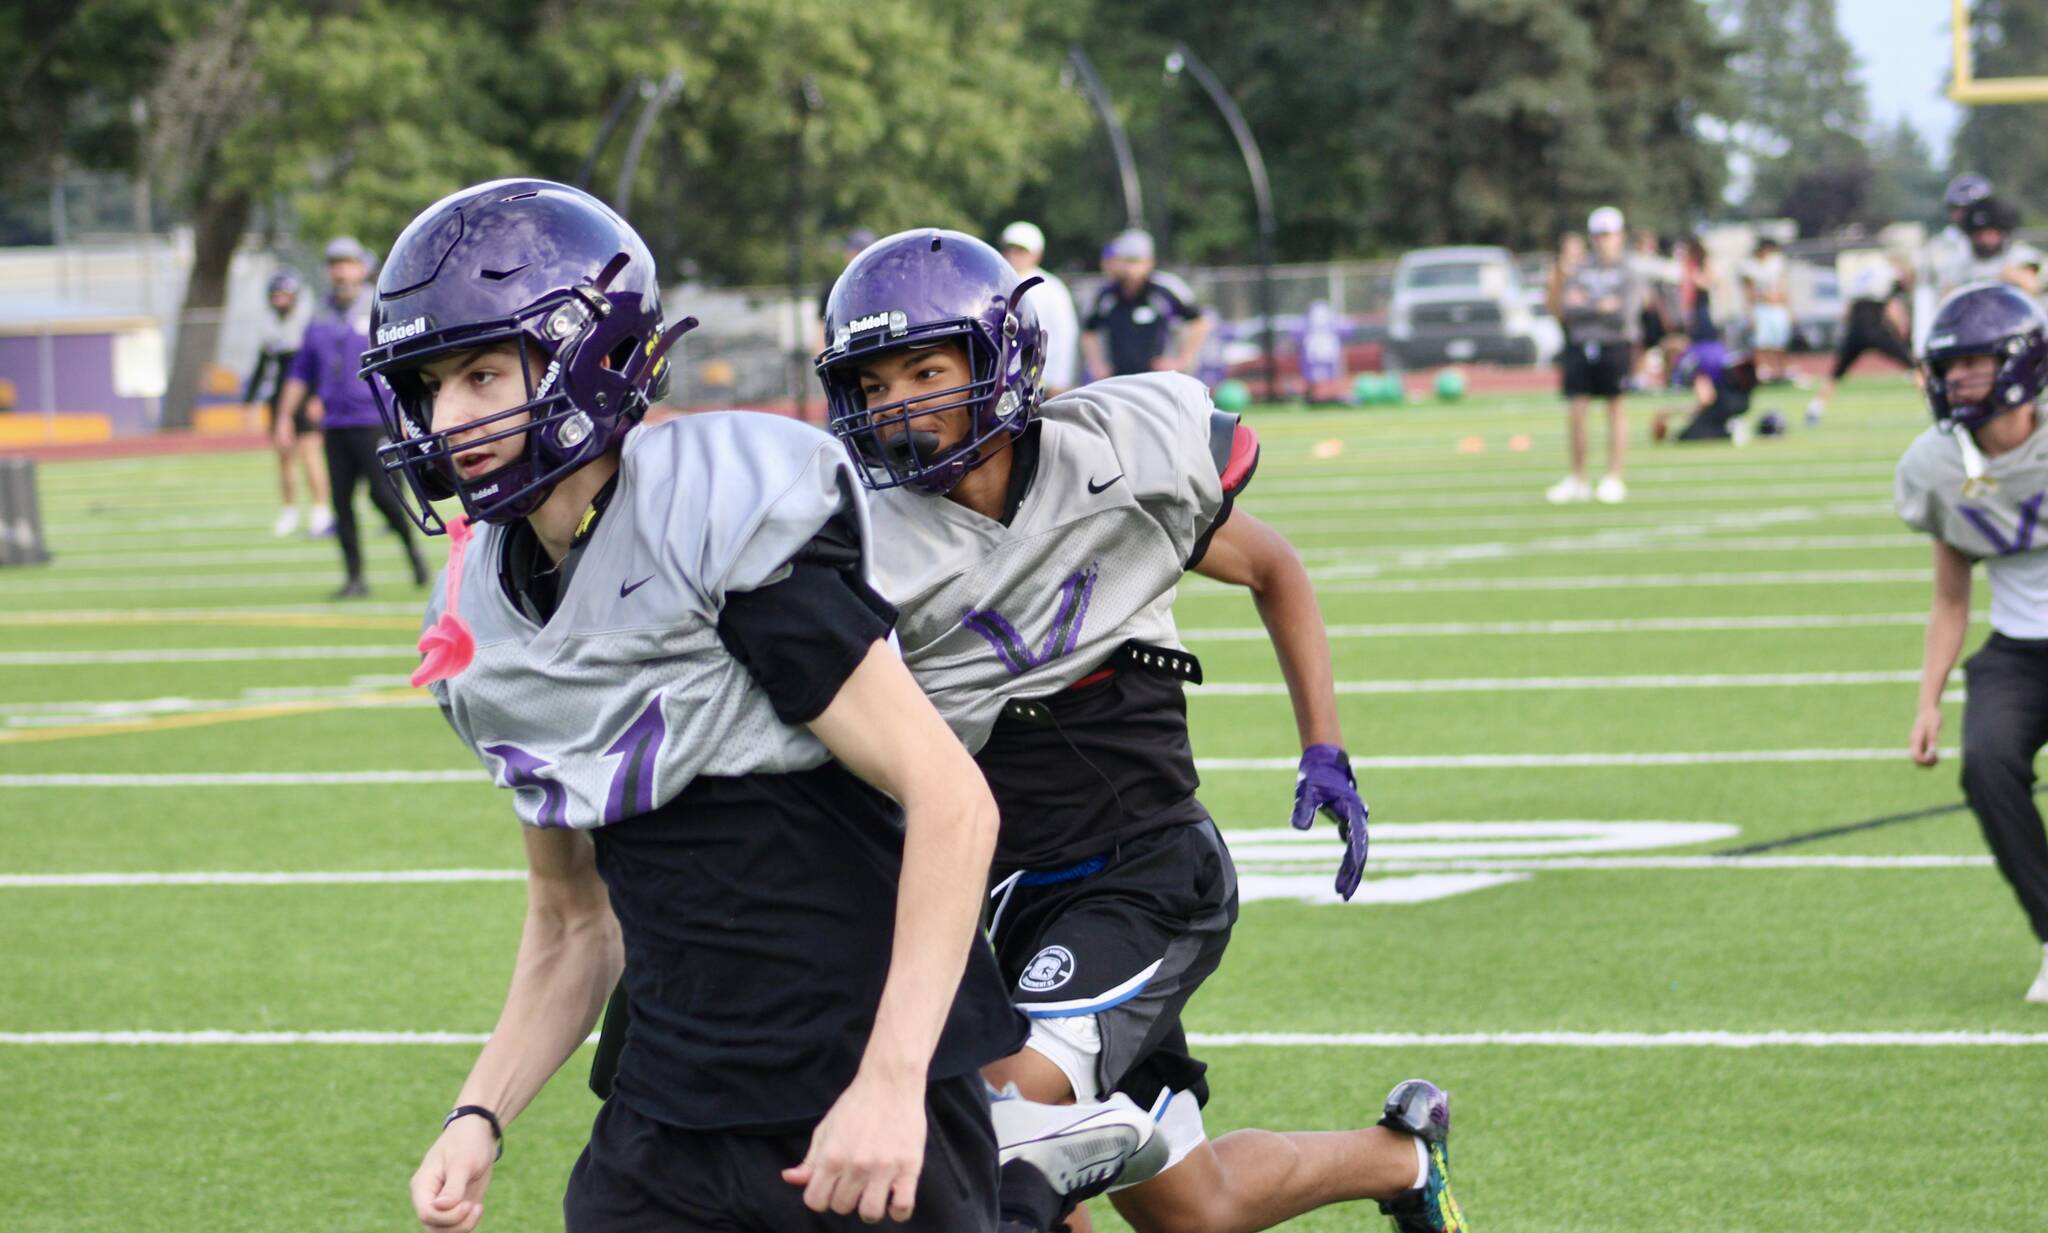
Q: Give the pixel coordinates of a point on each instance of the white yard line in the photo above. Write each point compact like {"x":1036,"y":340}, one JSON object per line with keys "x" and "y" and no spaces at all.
{"x":299,"y":779}
{"x":1623,"y":1040}
{"x":200,"y":655}
{"x":312,"y":579}
{"x":1529,"y":482}
{"x":138,"y":616}
{"x":243,"y":779}
{"x":1548,"y":684}
{"x":1599,"y":625}
{"x":1380,"y":865}
{"x":1205,"y":589}
{"x":1443,"y":762}
{"x":1311,"y":521}
{"x":1712,"y":1039}
{"x":1367,"y":495}
{"x":186,"y":558}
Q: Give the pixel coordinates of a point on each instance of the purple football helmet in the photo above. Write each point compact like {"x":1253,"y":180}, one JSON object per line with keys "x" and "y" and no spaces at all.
{"x":1987,"y":319}
{"x":535,"y":263}
{"x":1966,"y":190}
{"x":916,"y":289}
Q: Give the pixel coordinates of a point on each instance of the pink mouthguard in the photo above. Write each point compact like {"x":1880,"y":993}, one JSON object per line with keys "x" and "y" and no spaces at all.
{"x":448,"y":647}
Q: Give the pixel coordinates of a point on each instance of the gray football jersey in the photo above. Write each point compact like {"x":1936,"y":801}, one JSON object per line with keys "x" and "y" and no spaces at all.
{"x":1986,"y":507}
{"x":1126,"y":486}
{"x":627,"y":694}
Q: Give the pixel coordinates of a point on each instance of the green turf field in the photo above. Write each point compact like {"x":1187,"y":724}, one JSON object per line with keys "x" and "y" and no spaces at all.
{"x":1558,"y":714}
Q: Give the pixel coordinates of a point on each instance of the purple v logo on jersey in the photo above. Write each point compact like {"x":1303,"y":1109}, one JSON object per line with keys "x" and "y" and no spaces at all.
{"x":522,"y":771}
{"x":2023,"y":535}
{"x":1066,"y":626}
{"x":632,"y":792}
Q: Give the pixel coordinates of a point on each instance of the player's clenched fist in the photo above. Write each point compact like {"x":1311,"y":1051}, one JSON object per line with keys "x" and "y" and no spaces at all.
{"x":448,"y":1189}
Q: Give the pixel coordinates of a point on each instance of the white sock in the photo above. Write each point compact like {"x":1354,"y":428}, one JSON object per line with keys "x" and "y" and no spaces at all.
{"x":1422,"y":1159}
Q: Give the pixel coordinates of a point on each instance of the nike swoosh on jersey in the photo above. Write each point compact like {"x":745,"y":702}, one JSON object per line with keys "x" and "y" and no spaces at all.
{"x":1094,"y":487}
{"x":626,"y":589}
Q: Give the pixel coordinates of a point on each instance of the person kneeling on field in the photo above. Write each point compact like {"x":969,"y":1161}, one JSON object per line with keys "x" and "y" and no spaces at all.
{"x":1721,"y":382}
{"x":1974,"y":483}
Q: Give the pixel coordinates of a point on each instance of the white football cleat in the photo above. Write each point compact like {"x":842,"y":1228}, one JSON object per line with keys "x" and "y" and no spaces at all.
{"x":1567,"y":491}
{"x":1080,"y":1149}
{"x":1611,"y":490}
{"x":2039,"y":993}
{"x":287,"y":521}
{"x":321,"y":523}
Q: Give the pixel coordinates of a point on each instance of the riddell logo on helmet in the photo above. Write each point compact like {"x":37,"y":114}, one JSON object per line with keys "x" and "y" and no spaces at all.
{"x":873,"y":321}
{"x":402,"y":331}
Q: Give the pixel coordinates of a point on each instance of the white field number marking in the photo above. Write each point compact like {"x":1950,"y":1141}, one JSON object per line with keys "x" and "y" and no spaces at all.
{"x":1284,"y":863}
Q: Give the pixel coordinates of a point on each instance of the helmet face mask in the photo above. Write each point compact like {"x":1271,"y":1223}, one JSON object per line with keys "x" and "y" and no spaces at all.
{"x":557,"y":274}
{"x":1986,"y":319}
{"x":916,"y":290}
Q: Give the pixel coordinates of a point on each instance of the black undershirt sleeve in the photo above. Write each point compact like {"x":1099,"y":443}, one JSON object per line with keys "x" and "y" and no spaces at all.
{"x":802,"y":635}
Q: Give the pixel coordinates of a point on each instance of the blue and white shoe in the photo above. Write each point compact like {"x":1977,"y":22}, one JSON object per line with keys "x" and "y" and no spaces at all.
{"x":1081,"y":1149}
{"x":1420,"y":1108}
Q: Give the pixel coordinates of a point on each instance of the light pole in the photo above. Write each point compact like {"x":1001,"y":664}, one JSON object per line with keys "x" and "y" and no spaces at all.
{"x":1262,"y":192}
{"x":809,"y":101}
{"x":1082,"y":70}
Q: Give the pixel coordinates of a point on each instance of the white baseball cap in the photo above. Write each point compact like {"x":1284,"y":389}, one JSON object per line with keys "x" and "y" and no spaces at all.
{"x":1024,"y":235}
{"x":1604,"y":220}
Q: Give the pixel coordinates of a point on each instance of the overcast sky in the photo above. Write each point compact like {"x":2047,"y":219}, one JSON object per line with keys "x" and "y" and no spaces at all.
{"x":1903,"y":46}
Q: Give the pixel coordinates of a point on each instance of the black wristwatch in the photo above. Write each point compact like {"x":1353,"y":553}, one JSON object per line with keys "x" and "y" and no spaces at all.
{"x":497,"y":1130}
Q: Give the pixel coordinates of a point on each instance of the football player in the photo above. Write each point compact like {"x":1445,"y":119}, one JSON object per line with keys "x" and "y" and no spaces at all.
{"x":275,"y":348}
{"x":667,"y":644}
{"x":1032,"y":553}
{"x":1935,"y":274}
{"x":1975,"y":482}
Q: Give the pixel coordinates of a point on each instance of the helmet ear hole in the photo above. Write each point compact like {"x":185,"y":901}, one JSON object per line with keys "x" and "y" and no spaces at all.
{"x":622,"y":355}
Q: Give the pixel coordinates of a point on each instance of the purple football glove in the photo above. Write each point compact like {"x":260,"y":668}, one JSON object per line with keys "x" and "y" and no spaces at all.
{"x":1324,"y":782}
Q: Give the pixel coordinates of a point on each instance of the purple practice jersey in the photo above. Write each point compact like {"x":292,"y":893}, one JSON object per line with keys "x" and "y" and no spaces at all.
{"x":329,"y":359}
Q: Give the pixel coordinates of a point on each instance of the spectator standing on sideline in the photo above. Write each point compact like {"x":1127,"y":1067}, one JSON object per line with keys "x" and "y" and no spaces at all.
{"x":1023,"y":247}
{"x":1875,"y":321}
{"x":327,"y":366}
{"x":274,"y":352}
{"x":1132,"y":317}
{"x":1935,"y":276}
{"x":1770,"y":317}
{"x":1598,"y":303}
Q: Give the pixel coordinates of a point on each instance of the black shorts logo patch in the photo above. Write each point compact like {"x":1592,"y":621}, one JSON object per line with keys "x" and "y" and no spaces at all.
{"x":1048,"y":969}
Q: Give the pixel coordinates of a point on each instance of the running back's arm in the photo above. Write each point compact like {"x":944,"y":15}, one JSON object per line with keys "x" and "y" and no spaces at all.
{"x":1246,"y":552}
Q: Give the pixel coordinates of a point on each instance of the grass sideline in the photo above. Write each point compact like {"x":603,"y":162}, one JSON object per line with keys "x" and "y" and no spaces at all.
{"x":169,"y":640}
